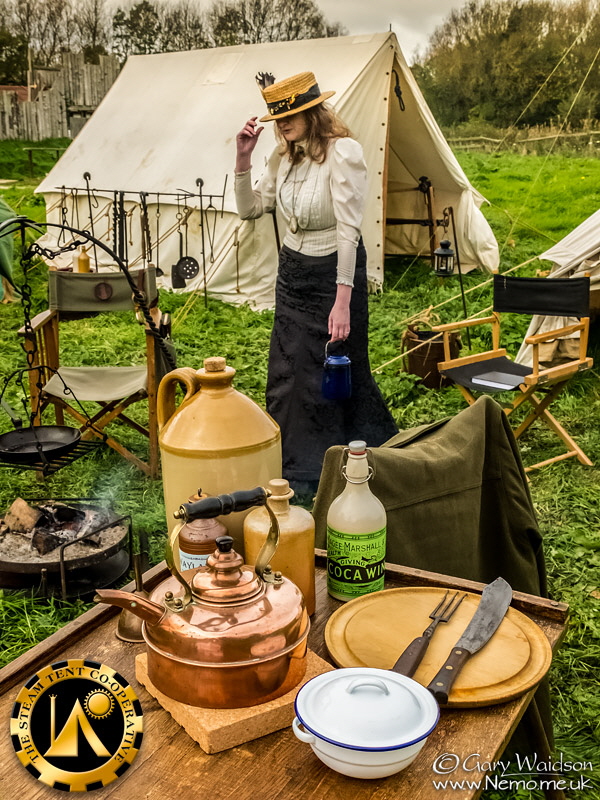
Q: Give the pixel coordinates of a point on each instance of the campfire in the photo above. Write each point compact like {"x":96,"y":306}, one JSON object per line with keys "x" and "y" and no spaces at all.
{"x":73,"y":545}
{"x":42,"y":528}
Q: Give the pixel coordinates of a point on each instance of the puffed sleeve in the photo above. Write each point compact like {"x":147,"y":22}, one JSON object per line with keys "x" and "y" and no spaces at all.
{"x":252,"y":203}
{"x":348,"y":191}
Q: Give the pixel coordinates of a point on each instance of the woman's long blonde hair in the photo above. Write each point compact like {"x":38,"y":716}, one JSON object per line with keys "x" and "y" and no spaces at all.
{"x":322,"y":125}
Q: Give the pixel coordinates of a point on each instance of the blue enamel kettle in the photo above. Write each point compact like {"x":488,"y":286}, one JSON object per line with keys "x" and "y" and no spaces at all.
{"x":337,"y":377}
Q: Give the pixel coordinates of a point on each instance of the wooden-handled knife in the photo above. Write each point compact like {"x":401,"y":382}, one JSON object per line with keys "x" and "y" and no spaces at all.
{"x":495,"y":600}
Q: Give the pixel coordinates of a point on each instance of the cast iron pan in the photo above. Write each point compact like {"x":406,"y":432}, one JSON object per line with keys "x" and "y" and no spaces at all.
{"x":23,"y":446}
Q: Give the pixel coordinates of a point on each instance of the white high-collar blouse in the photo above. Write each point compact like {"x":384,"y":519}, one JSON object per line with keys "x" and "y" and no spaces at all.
{"x":327,"y":199}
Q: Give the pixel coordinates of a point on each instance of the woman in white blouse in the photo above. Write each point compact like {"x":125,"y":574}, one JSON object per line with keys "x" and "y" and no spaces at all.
{"x":317,"y":178}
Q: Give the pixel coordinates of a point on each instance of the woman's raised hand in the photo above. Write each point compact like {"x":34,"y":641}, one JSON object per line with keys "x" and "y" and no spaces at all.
{"x":245,"y":143}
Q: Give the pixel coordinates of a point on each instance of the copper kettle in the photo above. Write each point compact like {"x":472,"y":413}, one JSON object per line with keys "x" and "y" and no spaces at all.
{"x":225,"y":635}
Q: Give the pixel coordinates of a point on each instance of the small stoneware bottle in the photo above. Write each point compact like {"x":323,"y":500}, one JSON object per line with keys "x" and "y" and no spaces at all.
{"x":295,"y":555}
{"x":83,"y":261}
{"x":198,"y":538}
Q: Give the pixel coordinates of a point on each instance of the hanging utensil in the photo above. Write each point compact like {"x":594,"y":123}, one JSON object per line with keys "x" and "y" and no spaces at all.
{"x":64,"y":215}
{"x":74,"y":208}
{"x":177,"y":280}
{"x":413,"y":655}
{"x":87,"y":177}
{"x":494,"y":603}
{"x":200,"y":184}
{"x":159,"y":271}
{"x":211,"y":232}
{"x":35,"y":443}
{"x":122,"y":228}
{"x":145,"y":228}
{"x":186,"y":267}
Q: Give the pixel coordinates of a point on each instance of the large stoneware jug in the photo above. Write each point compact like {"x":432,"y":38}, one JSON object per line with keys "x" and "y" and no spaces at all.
{"x":218,"y":440}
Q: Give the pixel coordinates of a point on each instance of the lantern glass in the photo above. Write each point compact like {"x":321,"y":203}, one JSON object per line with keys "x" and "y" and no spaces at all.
{"x":444,"y":259}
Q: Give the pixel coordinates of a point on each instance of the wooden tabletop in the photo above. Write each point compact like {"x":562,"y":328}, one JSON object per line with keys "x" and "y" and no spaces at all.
{"x":171,"y":766}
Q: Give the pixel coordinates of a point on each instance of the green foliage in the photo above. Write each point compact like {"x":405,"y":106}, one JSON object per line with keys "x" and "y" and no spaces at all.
{"x":136,"y":30}
{"x":509,"y":61}
{"x":14,"y":163}
{"x":535,"y":201}
{"x":13,"y":57}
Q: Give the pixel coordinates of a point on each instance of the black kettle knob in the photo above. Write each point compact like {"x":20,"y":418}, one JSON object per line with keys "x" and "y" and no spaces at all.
{"x":224,"y":544}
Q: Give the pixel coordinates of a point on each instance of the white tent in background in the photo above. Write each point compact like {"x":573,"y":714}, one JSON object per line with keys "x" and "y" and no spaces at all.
{"x":171,"y":118}
{"x":578,"y":252}
{"x":574,"y":256}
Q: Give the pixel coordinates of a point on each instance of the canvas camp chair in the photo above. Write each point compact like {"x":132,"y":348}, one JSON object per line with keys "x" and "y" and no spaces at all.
{"x":113,"y":388}
{"x":492,"y":371}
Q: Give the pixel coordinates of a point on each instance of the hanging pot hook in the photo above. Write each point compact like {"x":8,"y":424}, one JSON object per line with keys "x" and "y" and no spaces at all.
{"x":93,"y":199}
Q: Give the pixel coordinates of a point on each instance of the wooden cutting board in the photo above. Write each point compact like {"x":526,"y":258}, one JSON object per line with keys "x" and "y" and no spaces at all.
{"x":373,"y":630}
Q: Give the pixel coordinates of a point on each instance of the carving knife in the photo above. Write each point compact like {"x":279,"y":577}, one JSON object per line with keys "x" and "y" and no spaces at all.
{"x":495,"y":600}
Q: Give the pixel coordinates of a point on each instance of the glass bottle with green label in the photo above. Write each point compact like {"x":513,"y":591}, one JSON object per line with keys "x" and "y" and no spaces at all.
{"x":356,"y":531}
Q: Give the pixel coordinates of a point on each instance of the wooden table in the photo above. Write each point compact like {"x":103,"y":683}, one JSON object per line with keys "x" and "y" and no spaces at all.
{"x":171,"y":766}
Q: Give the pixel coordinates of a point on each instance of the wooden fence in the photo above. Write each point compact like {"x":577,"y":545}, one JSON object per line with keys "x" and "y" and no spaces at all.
{"x":60,"y":97}
{"x":587,"y":142}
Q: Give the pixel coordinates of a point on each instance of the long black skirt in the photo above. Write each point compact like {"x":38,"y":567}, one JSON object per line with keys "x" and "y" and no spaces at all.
{"x":304,"y":296}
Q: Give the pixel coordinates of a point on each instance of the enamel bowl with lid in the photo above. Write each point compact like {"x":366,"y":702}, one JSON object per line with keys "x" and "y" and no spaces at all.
{"x":363,"y":722}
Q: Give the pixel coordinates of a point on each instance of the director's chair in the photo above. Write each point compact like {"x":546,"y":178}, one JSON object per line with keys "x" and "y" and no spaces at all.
{"x":492,"y":371}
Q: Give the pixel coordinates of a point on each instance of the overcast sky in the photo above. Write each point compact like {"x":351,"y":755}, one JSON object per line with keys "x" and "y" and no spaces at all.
{"x":413,"y":21}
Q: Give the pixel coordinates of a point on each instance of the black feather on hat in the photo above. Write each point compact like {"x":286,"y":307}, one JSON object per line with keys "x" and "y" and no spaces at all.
{"x":265,"y":79}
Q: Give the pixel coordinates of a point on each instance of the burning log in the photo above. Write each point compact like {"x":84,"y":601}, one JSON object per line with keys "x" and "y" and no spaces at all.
{"x":52,"y":524}
{"x":21,"y":517}
{"x":45,"y":541}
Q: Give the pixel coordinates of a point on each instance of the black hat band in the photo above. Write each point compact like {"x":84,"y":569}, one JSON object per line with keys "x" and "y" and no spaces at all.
{"x":295,"y":101}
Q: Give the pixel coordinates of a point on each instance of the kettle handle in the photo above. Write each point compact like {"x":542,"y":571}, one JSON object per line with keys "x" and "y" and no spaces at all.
{"x":238,"y":501}
{"x":165,"y":401}
{"x":172,"y":603}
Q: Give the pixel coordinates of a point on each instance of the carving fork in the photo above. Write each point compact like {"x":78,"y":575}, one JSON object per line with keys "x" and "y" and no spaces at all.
{"x":413,"y":655}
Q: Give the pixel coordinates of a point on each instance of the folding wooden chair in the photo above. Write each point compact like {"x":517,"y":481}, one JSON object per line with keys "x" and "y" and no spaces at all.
{"x":492,"y":371}
{"x":113,"y":388}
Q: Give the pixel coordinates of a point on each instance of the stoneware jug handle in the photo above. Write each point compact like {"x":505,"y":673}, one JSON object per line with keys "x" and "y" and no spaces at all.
{"x":165,"y":400}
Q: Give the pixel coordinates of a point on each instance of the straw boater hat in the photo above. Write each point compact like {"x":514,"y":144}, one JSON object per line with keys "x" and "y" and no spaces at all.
{"x":290,"y":95}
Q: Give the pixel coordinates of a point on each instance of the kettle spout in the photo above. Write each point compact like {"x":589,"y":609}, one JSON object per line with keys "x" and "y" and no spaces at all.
{"x":145,"y":609}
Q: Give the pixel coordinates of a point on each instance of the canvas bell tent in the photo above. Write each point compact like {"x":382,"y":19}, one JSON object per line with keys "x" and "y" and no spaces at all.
{"x":578,"y":252}
{"x":576,"y":255}
{"x":171,"y":118}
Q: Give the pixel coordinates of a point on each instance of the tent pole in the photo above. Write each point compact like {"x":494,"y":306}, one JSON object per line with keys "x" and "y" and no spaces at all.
{"x":460,"y":277}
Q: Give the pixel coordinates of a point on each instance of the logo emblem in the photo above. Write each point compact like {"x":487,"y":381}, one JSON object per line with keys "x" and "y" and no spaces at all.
{"x":76,"y":725}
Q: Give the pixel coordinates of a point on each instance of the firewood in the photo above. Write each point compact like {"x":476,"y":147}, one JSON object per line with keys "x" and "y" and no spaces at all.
{"x":21,"y":517}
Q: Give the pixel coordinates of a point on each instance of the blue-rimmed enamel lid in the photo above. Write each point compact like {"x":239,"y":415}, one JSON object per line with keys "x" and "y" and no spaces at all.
{"x":362,"y":708}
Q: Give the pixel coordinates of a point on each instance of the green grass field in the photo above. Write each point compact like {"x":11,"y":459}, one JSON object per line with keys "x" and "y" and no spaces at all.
{"x":535,"y":200}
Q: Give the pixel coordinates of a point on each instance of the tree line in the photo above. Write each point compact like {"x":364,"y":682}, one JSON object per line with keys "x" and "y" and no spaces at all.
{"x":40,"y":30}
{"x":503,"y":61}
{"x":491,"y":61}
